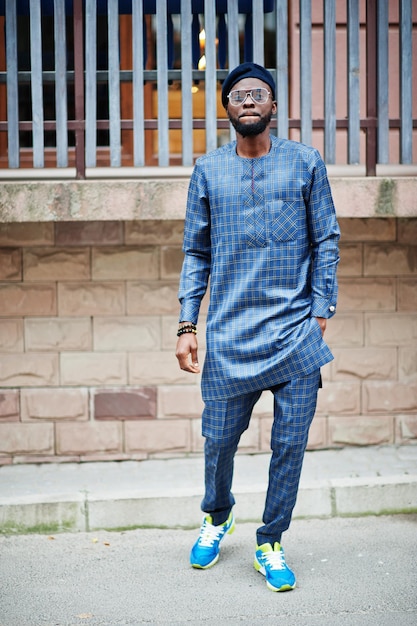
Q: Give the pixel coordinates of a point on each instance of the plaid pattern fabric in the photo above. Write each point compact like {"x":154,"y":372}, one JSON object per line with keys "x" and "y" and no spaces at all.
{"x":223,"y":424}
{"x":265,"y":231}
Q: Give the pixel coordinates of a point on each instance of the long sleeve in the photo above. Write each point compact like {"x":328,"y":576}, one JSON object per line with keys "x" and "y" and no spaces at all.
{"x":324,"y":238}
{"x":197,"y":249}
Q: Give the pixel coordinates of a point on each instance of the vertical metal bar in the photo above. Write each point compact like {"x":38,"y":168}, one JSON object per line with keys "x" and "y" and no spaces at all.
{"x":233,"y":33}
{"x":329,"y":81}
{"x":282,"y":67}
{"x":305,"y":71}
{"x":114,"y":83}
{"x":406,"y":88}
{"x":79,"y":89}
{"x":233,"y":43}
{"x":162,"y":81}
{"x":61,"y":83}
{"x":186,"y":83}
{"x":36,"y":83}
{"x":258,"y":31}
{"x":371,"y":88}
{"x":138,"y":93}
{"x":383,"y":83}
{"x":211,"y":91}
{"x":12,"y":85}
{"x":91,"y":83}
{"x":353,"y":82}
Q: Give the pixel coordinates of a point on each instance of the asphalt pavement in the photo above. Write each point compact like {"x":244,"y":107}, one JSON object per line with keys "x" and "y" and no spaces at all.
{"x":350,"y":572}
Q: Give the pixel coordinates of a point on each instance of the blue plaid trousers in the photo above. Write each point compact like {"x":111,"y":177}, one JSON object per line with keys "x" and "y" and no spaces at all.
{"x":223,"y":424}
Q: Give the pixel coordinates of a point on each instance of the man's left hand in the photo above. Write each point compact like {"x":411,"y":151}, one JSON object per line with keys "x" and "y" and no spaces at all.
{"x":322,"y":321}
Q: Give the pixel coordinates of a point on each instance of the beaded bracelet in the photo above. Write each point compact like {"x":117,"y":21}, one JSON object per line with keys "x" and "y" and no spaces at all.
{"x":187,"y":328}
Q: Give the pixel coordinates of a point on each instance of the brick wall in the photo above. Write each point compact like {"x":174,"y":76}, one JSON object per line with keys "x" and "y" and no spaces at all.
{"x":88,"y":316}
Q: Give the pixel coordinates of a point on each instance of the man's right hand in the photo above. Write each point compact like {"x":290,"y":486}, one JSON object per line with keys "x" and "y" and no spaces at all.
{"x":186,"y":353}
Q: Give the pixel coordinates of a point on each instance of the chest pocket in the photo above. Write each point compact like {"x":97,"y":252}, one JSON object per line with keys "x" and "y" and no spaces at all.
{"x":284,"y":222}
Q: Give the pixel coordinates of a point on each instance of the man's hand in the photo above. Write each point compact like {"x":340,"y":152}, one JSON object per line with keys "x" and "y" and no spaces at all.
{"x":186,"y":353}
{"x":322,"y":323}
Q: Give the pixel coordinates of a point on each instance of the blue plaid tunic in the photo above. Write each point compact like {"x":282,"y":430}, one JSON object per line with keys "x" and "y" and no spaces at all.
{"x":264,"y":231}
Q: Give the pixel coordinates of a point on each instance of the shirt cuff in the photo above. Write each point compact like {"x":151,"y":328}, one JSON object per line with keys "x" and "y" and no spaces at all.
{"x":323,"y":308}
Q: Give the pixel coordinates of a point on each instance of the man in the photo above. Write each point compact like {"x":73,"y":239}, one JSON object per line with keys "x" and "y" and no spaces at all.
{"x":260,"y":222}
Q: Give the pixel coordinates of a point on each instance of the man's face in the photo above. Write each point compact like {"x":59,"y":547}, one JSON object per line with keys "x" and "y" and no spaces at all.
{"x":249,"y":117}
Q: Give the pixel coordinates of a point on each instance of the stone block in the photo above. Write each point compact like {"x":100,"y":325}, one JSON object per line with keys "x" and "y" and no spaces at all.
{"x":171,"y":262}
{"x":145,"y":298}
{"x":157,"y":368}
{"x":345,"y":329}
{"x":197,"y":439}
{"x":127,"y":333}
{"x":26,"y":234}
{"x":169,"y":511}
{"x":406,"y":429}
{"x":351,"y":263}
{"x":10,"y":264}
{"x":154,"y":232}
{"x":59,"y":514}
{"x":125,"y":263}
{"x":11,"y":335}
{"x":29,"y":369}
{"x":367,"y":229}
{"x":180,"y":401}
{"x":392,"y":329}
{"x":26,"y":438}
{"x":163,"y":201}
{"x":89,"y":437}
{"x":317,"y":436}
{"x":20,"y":300}
{"x":9,"y":405}
{"x":88,"y":233}
{"x":376,"y":496}
{"x":78,"y":299}
{"x":407,"y":231}
{"x":313,"y":500}
{"x":407,"y":364}
{"x":125,"y":403}
{"x":361,"y":430}
{"x":338,"y":398}
{"x":54,"y":404}
{"x":158,"y":436}
{"x":364,"y":363}
{"x":56,"y":264}
{"x":367,"y":294}
{"x":389,"y":397}
{"x":389,"y":259}
{"x":93,"y":368}
{"x":407,"y":294}
{"x":58,"y":333}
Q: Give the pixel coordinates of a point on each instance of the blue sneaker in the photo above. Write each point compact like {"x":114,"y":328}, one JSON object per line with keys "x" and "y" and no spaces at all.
{"x":205,"y":551}
{"x":270,"y":561}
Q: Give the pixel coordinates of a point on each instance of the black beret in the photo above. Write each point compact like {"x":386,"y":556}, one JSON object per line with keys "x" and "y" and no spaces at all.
{"x":246,"y":70}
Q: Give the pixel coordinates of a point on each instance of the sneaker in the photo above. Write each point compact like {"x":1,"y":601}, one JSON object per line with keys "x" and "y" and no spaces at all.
{"x":270,"y":561}
{"x":205,"y":551}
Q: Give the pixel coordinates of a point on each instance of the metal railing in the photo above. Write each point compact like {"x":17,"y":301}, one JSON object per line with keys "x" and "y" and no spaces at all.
{"x":98,"y":80}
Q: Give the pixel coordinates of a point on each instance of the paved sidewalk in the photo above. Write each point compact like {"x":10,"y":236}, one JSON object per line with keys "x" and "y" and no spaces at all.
{"x":167,"y":493}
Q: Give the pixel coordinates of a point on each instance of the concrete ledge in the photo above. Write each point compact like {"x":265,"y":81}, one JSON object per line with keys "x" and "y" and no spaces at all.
{"x":165,"y":198}
{"x":317,"y":499}
{"x":38,"y":515}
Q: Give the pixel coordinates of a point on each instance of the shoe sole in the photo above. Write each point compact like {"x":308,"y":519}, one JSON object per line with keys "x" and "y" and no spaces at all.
{"x":260,"y":568}
{"x":216,"y":558}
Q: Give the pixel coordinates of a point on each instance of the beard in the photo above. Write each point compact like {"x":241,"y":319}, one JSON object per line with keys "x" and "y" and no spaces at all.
{"x":253,"y":128}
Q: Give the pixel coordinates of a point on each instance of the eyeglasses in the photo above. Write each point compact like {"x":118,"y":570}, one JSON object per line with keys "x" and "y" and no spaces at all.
{"x":259,"y":95}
